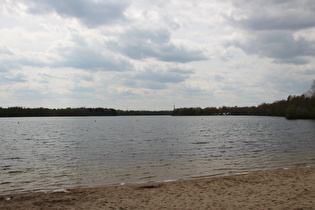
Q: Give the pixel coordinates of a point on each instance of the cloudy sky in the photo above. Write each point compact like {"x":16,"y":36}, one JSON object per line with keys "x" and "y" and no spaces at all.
{"x":150,"y":55}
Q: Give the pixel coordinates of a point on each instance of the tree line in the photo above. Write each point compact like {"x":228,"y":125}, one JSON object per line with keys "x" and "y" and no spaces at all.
{"x":294,"y":107}
{"x":143,"y":112}
{"x":46,"y":112}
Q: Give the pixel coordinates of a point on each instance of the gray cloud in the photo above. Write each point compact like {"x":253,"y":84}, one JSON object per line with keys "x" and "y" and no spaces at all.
{"x":275,"y":14}
{"x":147,"y":84}
{"x":279,"y":46}
{"x":89,"y":13}
{"x":289,"y":21}
{"x":78,"y":52}
{"x":4,"y":68}
{"x":5,"y":59}
{"x":157,"y":79}
{"x":172,"y":76}
{"x":116,"y":59}
{"x":89,"y":59}
{"x":12,"y":78}
{"x":81,"y":90}
{"x":160,"y":77}
{"x":4,"y":50}
{"x":218,"y":78}
{"x":283,"y":84}
{"x":12,"y":59}
{"x":270,"y":26}
{"x":181,"y":71}
{"x":153,"y":85}
{"x":141,"y":44}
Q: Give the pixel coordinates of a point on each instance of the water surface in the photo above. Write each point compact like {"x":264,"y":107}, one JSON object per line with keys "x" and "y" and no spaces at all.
{"x":39,"y":154}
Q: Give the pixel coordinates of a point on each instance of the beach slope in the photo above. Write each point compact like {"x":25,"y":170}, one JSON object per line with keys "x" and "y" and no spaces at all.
{"x":275,"y":189}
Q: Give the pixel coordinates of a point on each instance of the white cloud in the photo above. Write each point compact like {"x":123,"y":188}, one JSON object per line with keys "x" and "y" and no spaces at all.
{"x":153,"y":43}
{"x":89,"y":13}
{"x":139,"y":54}
{"x":92,"y":55}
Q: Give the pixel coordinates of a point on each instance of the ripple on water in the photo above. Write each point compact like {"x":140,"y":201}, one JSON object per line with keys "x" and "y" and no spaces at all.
{"x":46,"y":153}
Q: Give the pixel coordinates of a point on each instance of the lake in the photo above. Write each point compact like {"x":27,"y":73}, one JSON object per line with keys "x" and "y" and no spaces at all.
{"x":47,"y":153}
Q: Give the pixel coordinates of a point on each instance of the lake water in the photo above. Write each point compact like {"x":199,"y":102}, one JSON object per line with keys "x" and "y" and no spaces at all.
{"x":42,"y":154}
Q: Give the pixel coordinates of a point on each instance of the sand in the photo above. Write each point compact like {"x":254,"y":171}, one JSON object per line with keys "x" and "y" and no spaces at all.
{"x":273,"y":189}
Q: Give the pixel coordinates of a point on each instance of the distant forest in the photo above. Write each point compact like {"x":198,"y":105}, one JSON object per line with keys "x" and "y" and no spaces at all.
{"x":294,"y":107}
{"x":45,"y":112}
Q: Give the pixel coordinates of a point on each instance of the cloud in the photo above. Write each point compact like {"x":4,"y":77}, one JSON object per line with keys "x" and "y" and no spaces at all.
{"x":274,"y":14}
{"x":139,"y":54}
{"x":13,"y":60}
{"x":90,"y":59}
{"x":80,"y":89}
{"x":5,"y":63}
{"x":180,"y":71}
{"x":141,"y":44}
{"x":81,"y":51}
{"x":280,"y":46}
{"x":161,"y":77}
{"x":157,"y":78}
{"x":10,"y":61}
{"x":89,"y":13}
{"x":13,"y":78}
{"x":218,"y":78}
{"x":268,"y":29}
{"x":4,"y":50}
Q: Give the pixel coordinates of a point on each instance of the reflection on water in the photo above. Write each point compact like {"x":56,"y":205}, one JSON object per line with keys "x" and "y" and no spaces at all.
{"x":49,"y":153}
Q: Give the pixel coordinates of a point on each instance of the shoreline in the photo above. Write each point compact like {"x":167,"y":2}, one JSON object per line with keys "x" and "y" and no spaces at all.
{"x":279,"y":188}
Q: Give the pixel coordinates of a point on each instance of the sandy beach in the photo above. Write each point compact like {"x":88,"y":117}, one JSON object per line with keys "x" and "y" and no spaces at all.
{"x":274,"y":189}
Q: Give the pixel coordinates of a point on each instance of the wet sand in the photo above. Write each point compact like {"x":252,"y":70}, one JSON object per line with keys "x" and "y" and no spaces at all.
{"x":274,"y":189}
